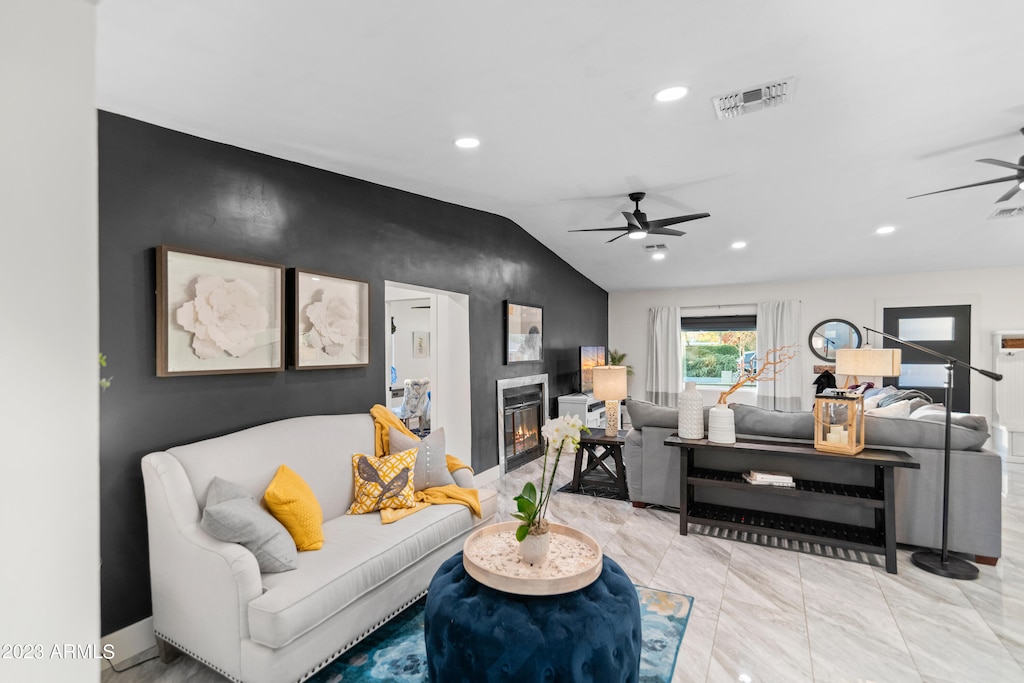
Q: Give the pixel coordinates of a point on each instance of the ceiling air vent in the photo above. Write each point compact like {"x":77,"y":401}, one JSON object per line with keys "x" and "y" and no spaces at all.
{"x":1008,"y":213}
{"x":655,"y":247}
{"x":749,"y":100}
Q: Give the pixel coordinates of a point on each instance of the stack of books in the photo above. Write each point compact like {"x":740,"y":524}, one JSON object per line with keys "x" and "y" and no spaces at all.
{"x":761,"y":478}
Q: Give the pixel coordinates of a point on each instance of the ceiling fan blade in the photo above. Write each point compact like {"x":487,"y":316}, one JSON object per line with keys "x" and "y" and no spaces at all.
{"x":665,"y":231}
{"x":617,"y":238}
{"x":1004,"y":164}
{"x":631,"y":220}
{"x":597,"y":229}
{"x":963,"y":187}
{"x":1012,"y":191}
{"x":662,"y":222}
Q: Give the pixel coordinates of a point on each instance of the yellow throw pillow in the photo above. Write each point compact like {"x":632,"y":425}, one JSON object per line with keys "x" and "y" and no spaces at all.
{"x":293,"y":503}
{"x":383,"y":483}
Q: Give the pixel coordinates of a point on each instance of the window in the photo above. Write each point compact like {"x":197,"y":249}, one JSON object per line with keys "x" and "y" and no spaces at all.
{"x":716,"y":349}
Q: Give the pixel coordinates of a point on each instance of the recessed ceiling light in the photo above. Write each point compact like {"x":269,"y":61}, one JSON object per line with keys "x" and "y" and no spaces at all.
{"x":886,"y":229}
{"x":658,"y":256}
{"x":676,"y":92}
{"x":467,"y":143}
{"x":738,"y":245}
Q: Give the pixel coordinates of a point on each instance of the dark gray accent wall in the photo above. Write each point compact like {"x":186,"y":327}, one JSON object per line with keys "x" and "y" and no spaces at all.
{"x":159,"y":186}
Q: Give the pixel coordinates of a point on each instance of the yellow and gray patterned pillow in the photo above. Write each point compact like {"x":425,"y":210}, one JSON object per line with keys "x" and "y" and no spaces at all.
{"x":383,"y":483}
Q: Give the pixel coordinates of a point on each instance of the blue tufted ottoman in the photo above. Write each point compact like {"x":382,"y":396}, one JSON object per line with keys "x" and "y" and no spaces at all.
{"x":477,"y":634}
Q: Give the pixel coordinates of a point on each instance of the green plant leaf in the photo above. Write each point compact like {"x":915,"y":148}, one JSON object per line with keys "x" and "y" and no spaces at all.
{"x":527,"y":507}
{"x":522,"y":532}
{"x":522,"y":517}
{"x":529,"y":491}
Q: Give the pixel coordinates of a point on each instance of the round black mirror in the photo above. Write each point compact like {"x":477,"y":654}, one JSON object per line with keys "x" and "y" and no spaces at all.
{"x":830,"y":335}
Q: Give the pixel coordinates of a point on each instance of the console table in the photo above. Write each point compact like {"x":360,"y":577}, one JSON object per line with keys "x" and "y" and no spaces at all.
{"x":764,"y":507}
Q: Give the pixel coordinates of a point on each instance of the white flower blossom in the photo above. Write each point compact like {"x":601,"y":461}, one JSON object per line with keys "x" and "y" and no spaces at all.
{"x":224,"y":317}
{"x":334,"y":322}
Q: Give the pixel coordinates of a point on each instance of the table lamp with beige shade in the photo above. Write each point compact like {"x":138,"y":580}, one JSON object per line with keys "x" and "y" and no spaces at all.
{"x":610,"y":387}
{"x":867,"y":362}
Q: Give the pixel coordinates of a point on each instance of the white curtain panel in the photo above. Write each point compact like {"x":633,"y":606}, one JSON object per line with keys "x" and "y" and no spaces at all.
{"x":778,"y":324}
{"x":664,"y":356}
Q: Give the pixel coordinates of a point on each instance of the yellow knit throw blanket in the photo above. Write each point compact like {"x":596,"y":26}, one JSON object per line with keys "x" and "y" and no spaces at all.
{"x":383,"y":418}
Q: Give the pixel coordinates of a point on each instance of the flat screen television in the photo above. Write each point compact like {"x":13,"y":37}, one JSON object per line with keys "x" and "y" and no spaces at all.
{"x":590,"y":357}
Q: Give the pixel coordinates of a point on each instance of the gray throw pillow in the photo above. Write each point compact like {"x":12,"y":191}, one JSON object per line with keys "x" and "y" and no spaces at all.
{"x":233,"y":515}
{"x":431,"y":467}
{"x":646,"y":414}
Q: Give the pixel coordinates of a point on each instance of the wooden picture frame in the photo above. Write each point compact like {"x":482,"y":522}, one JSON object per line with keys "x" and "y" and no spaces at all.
{"x":331,"y":321}
{"x":524,"y":333}
{"x":217,"y":314}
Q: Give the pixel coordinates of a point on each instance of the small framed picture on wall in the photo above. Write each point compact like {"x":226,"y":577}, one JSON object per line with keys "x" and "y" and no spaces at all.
{"x":217,"y":315}
{"x":524,"y":333}
{"x":421,"y":345}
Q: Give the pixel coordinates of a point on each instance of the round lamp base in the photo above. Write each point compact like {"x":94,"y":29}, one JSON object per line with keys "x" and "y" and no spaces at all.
{"x":952,"y":568}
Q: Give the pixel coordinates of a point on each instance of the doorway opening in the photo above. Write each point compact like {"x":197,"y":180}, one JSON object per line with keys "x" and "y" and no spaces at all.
{"x":427,"y":337}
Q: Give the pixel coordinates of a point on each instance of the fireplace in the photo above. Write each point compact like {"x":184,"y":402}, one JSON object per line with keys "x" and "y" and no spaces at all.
{"x":522,"y":411}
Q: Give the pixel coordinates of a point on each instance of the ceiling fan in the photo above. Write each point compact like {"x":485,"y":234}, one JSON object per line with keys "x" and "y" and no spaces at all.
{"x":1017,"y":178}
{"x":637,"y":226}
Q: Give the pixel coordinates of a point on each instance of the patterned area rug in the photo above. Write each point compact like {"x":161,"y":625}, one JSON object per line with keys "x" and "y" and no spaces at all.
{"x":397,"y":652}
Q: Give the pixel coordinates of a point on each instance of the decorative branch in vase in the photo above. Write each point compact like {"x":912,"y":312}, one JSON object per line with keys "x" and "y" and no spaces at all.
{"x":775,"y":361}
{"x":560,"y":434}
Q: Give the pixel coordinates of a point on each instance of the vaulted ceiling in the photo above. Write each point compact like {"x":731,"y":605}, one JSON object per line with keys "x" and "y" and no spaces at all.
{"x":886,"y":100}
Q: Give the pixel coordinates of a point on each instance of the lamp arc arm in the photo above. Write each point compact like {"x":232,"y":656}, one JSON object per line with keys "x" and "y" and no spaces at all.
{"x":995,"y":376}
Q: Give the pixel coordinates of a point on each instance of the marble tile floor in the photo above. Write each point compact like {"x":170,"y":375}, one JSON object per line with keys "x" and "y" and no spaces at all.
{"x":763,"y":613}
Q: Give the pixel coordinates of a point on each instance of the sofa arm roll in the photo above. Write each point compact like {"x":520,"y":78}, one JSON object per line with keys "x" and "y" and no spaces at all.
{"x":201,"y":586}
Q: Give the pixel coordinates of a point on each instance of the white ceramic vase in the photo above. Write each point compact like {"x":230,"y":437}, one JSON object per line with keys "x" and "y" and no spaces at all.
{"x":534,"y":548}
{"x":691,"y":413}
{"x":721,"y":424}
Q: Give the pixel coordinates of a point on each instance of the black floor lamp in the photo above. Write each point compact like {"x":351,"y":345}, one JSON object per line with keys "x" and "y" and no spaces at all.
{"x":940,"y":562}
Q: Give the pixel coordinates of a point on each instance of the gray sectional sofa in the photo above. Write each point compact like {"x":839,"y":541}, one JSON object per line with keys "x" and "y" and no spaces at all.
{"x":211,"y":599}
{"x":975,"y":514}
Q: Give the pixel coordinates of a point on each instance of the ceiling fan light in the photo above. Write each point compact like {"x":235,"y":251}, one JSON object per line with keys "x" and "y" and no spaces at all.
{"x":635,"y":234}
{"x":1021,"y":185}
{"x":886,"y":229}
{"x":467,"y":143}
{"x":739,"y":245}
{"x":676,"y":92}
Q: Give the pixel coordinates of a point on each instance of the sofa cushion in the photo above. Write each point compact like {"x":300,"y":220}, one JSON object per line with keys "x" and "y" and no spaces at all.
{"x":232,"y":515}
{"x":431,"y":467}
{"x":907,"y":432}
{"x":383,"y":483}
{"x":897,"y":409}
{"x":292,"y":502}
{"x":359,"y":554}
{"x":755,"y":421}
{"x":937,"y":413}
{"x":646,"y":414}
{"x":251,"y":456}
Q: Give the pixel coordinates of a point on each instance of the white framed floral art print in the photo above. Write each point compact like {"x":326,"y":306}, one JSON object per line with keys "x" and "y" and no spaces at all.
{"x":217,"y":315}
{"x":332,"y":327}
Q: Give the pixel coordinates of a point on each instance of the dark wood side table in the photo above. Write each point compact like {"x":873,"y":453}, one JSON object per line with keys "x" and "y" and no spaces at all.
{"x":598,"y":448}
{"x":729,"y":461}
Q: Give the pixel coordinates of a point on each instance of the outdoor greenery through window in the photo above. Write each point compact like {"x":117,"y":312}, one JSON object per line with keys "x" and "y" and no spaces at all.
{"x":717,"y":348}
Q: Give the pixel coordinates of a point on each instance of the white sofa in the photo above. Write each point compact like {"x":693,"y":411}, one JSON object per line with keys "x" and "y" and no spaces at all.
{"x":209,"y":597}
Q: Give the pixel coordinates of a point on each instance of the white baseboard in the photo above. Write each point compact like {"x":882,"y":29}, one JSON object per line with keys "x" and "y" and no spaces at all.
{"x":488,"y":476}
{"x":129,"y":642}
